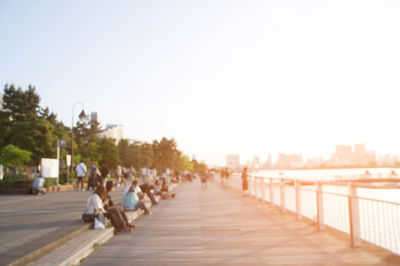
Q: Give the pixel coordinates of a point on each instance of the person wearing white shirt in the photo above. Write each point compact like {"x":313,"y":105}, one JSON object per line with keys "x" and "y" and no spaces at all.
{"x":37,"y":186}
{"x":80,"y":173}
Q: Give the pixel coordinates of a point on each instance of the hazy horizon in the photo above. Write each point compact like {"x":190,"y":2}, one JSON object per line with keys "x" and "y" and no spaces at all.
{"x":221,"y":77}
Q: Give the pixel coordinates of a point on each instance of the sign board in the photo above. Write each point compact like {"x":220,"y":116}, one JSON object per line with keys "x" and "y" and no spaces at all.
{"x":50,"y":168}
{"x":68,"y":160}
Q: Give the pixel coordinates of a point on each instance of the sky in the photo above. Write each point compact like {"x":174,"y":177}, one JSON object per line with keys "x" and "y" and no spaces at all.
{"x":221,"y":77}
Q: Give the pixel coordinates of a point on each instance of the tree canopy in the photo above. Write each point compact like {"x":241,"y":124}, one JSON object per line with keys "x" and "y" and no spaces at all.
{"x":29,"y":132}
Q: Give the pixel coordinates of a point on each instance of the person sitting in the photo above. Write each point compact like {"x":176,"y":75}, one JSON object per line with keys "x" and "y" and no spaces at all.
{"x":110,"y":206}
{"x":95,"y":206}
{"x":164,"y":191}
{"x":37,"y":186}
{"x":131,"y":201}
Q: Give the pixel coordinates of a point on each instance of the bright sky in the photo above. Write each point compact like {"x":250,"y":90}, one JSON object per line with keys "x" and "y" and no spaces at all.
{"x":221,"y":77}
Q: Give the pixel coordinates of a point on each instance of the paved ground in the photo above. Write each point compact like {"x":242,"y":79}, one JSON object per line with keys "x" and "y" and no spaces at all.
{"x":29,"y":222}
{"x":217,"y":226}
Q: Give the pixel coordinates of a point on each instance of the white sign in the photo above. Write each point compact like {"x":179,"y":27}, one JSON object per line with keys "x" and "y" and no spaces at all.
{"x":68,"y":160}
{"x":50,"y":168}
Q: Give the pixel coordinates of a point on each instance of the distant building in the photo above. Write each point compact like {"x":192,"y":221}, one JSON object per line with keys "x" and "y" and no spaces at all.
{"x":94,"y":116}
{"x":255,"y":164}
{"x":315,"y":162}
{"x":233,"y":161}
{"x":290,"y":161}
{"x":344,"y":154}
{"x":112,"y":131}
{"x":388,"y":159}
{"x":268,"y":163}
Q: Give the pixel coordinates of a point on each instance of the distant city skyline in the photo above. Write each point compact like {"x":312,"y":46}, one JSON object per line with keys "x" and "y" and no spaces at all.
{"x":342,"y":155}
{"x":220,"y":77}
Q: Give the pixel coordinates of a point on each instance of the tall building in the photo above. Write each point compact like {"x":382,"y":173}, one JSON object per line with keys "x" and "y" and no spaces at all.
{"x":233,"y":161}
{"x":255,"y":162}
{"x":112,"y":131}
{"x":344,"y":154}
{"x":290,"y":160}
{"x":94,"y":116}
{"x":268,"y":163}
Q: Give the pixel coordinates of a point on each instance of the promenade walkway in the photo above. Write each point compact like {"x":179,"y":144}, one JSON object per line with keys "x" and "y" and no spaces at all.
{"x":29,"y":223}
{"x":216,"y":226}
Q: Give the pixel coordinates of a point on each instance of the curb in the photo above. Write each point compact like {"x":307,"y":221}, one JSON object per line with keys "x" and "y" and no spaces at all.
{"x":76,"y":250}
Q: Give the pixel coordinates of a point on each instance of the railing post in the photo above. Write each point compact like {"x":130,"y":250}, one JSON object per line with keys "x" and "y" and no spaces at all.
{"x":262,"y":185}
{"x":354,"y":216}
{"x":320,"y":208}
{"x":283,"y":203}
{"x":271,"y":192}
{"x":257,"y":186}
{"x":251,"y":185}
{"x":254,"y":185}
{"x":297,"y":184}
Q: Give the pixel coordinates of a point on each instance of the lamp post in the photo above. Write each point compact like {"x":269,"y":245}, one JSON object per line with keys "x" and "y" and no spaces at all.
{"x":81,"y":115}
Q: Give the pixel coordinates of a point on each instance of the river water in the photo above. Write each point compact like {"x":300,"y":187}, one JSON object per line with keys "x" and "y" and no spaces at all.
{"x":391,"y":195}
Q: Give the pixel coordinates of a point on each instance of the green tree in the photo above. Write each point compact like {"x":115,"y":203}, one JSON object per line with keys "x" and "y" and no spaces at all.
{"x":36,"y":136}
{"x":123,"y":149}
{"x":12,"y":156}
{"x":108,"y":152}
{"x":165,"y":153}
{"x":20,"y":105}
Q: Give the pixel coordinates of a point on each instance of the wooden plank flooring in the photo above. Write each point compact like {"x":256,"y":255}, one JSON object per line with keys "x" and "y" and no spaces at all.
{"x":216,"y":226}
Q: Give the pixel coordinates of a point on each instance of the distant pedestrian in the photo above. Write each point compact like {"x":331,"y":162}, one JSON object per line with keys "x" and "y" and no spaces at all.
{"x":91,"y":176}
{"x":203,"y":178}
{"x":222,"y":177}
{"x":245,"y":184}
{"x":80,"y":172}
{"x":1,"y":172}
{"x":104,"y":170}
{"x":37,"y":186}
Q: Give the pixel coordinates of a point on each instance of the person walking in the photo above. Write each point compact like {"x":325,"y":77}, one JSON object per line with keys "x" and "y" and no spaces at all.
{"x":222,"y":177}
{"x":80,"y":172}
{"x":245,"y":184}
{"x":91,"y":176}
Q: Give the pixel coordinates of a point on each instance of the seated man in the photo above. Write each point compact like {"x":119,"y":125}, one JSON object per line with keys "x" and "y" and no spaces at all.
{"x":164,"y":191}
{"x":37,"y":186}
{"x":145,"y":188}
{"x":131,"y":201}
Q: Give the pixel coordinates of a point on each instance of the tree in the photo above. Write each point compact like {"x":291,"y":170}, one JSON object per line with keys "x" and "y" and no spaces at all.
{"x":36,"y":136}
{"x":165,"y":153}
{"x":12,"y":156}
{"x":20,"y":105}
{"x":123,"y":148}
{"x":108,"y":152}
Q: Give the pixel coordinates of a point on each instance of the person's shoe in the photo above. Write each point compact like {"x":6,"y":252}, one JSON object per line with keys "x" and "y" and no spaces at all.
{"x":173,"y":195}
{"x":154,"y":204}
{"x":131,"y":226}
{"x":123,"y":231}
{"x":149,"y":213}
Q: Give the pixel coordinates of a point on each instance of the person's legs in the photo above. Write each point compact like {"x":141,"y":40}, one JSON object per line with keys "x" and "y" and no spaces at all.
{"x":141,"y":205}
{"x":34,"y":191}
{"x":90,"y":183}
{"x":42,"y":190}
{"x":81,"y":181}
{"x":123,"y":214}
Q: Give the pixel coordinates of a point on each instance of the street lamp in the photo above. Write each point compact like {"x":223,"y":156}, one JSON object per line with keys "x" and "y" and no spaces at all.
{"x":81,"y":115}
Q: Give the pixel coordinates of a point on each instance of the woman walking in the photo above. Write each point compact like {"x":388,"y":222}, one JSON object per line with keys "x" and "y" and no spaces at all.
{"x":245,"y":184}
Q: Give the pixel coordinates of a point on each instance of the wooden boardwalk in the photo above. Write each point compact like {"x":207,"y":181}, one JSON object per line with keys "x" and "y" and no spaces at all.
{"x":216,"y":226}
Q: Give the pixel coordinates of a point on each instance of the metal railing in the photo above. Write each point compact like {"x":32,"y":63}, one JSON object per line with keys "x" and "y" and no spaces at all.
{"x":333,"y":204}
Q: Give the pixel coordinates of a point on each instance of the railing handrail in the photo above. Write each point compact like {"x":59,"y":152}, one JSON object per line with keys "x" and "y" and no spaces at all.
{"x":363,"y":218}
